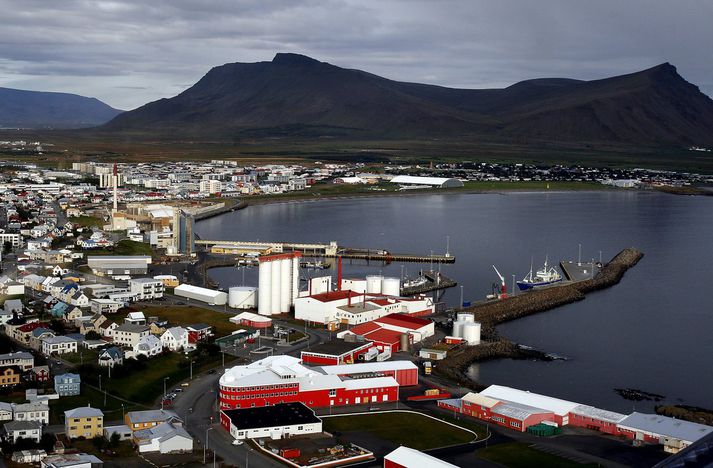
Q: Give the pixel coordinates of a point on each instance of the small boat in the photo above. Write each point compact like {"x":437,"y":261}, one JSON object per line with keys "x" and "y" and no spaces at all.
{"x":543,"y":277}
{"x":413,"y":283}
{"x":319,"y":265}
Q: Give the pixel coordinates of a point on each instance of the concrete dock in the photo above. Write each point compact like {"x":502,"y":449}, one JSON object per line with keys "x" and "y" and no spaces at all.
{"x":435,"y":282}
{"x":579,"y":271}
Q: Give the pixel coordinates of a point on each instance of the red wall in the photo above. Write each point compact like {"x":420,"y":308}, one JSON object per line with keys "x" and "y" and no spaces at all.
{"x":594,"y":424}
{"x":319,"y":360}
{"x":390,"y":464}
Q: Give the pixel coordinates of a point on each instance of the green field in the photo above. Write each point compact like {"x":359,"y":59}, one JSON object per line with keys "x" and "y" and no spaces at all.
{"x":87,"y":221}
{"x":124,"y":247}
{"x":519,"y":455}
{"x":93,"y":397}
{"x":401,"y":428}
{"x":186,"y":315}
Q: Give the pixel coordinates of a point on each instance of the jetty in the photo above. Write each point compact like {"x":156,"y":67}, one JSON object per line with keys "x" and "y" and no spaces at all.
{"x":435,"y":281}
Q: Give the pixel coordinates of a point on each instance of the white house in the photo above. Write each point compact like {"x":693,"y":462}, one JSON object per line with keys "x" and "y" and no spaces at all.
{"x":146,"y":288}
{"x":58,"y":345}
{"x":28,"y":430}
{"x":148,"y":346}
{"x":111,"y":357}
{"x":104,"y":306}
{"x":71,"y":460}
{"x":5,"y":411}
{"x":175,"y":338}
{"x":135,"y":318}
{"x":276,"y":421}
{"x":32,"y":412}
{"x":128,"y":335}
{"x":164,"y":438}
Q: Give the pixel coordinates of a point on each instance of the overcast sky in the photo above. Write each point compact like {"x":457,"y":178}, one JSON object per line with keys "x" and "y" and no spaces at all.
{"x":127,"y":53}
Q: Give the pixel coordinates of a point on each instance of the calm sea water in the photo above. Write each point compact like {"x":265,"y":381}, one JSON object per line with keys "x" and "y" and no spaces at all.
{"x":654,"y":331}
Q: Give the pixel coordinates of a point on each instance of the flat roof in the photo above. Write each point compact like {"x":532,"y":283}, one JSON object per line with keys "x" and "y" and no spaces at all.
{"x":517,"y":411}
{"x":365,"y":367}
{"x":404,"y":320}
{"x":281,"y":414}
{"x":197,"y":290}
{"x":665,"y":426}
{"x":336,"y":348}
{"x":513,"y":395}
{"x":410,"y":458}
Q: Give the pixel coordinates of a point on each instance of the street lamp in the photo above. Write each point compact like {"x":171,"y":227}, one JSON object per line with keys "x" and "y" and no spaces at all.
{"x":164,"y":391}
{"x":206,"y":441}
{"x":191,"y":369}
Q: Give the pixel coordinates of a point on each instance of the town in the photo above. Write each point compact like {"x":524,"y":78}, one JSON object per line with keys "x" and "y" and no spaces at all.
{"x":116,"y":342}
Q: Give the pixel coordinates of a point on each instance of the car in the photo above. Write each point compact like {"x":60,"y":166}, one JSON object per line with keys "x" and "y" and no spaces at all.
{"x":185,"y":384}
{"x":59,"y":363}
{"x":212,"y":371}
{"x":177,"y":390}
{"x":237,"y":442}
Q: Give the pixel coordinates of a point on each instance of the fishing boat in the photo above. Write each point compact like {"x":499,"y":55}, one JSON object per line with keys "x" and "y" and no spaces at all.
{"x":546,"y":276}
{"x":413,"y":283}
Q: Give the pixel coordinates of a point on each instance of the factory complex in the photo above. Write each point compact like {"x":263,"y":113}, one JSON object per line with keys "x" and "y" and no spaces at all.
{"x":285,"y":379}
{"x":524,"y":411}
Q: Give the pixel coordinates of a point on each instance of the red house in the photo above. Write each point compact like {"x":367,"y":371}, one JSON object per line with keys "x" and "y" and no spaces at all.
{"x":198,"y":332}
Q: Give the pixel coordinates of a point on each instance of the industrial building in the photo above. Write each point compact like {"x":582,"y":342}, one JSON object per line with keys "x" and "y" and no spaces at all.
{"x":437,"y":182}
{"x":284,"y":379}
{"x":242,"y":297}
{"x":404,"y":457}
{"x":248,"y":319}
{"x":278,"y":283}
{"x":125,"y":265}
{"x":277,"y":421}
{"x":525,"y":411}
{"x":465,"y":328}
{"x":209,"y":296}
{"x":388,"y":332}
{"x":334,"y":352}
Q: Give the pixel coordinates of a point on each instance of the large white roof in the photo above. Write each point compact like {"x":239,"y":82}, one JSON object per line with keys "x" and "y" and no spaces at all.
{"x":557,"y":406}
{"x":380,"y":382}
{"x":410,"y":458}
{"x":365,"y":367}
{"x":197,"y":290}
{"x":249,"y":316}
{"x":665,"y":426}
{"x":415,"y":180}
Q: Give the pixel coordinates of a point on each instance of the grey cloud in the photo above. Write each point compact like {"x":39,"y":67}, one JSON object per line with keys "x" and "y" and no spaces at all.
{"x":130,"y":52}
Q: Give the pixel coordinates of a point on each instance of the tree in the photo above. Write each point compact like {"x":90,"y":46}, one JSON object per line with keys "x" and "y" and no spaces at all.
{"x":6,"y":247}
{"x":114,"y":440}
{"x":92,"y":335}
{"x":98,"y":442}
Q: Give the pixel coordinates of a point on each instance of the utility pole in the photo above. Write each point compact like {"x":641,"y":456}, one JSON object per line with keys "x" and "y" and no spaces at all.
{"x":579,"y":257}
{"x":461,"y":297}
{"x":205,"y":446}
{"x":513,"y":285}
{"x":448,"y":246}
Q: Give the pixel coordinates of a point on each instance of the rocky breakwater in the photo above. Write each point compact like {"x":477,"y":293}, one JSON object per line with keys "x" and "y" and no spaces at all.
{"x":492,"y":313}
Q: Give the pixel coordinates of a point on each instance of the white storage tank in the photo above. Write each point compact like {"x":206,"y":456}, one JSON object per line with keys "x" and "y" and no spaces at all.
{"x":264,"y":292}
{"x":242,"y":297}
{"x":285,"y":285}
{"x":373,"y":284}
{"x":295,"y":277}
{"x":275,"y":287}
{"x":465,"y":317}
{"x":471,"y":333}
{"x":458,"y":328}
{"x":391,"y":286}
{"x":319,"y":285}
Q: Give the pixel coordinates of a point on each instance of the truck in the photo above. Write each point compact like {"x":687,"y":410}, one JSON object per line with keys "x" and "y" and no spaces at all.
{"x":370,"y":354}
{"x":427,"y":367}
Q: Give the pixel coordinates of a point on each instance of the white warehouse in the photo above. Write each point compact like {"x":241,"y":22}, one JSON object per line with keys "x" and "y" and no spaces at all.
{"x":439,"y":182}
{"x":209,"y":296}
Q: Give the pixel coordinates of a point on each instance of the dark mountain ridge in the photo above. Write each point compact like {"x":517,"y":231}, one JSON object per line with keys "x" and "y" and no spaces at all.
{"x":37,"y":109}
{"x":299,"y":96}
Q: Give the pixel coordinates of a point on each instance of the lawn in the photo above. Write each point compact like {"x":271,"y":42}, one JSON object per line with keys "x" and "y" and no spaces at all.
{"x":124,"y":247}
{"x":531,"y":185}
{"x":401,"y":428}
{"x":519,"y":455}
{"x":185,"y":315}
{"x":87,"y":221}
{"x":82,"y":357}
{"x":89,"y":396}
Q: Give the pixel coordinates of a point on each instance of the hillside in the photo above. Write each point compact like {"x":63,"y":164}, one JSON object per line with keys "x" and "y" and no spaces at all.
{"x":35,"y":109}
{"x":294,"y":95}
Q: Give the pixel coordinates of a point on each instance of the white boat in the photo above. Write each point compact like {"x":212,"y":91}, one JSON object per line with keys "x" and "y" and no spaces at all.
{"x":543,"y":277}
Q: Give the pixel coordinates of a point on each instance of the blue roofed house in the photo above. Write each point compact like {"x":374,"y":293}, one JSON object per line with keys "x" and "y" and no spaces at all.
{"x":67,"y":384}
{"x":111,"y":357}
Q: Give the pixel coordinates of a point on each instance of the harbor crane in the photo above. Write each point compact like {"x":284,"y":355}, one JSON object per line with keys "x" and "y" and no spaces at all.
{"x":503,"y":288}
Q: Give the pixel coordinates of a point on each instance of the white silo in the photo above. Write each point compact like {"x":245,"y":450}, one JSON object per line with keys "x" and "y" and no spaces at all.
{"x":275,"y":287}
{"x":295,"y":278}
{"x":458,"y":328}
{"x":471,"y":333}
{"x":465,"y":317}
{"x":285,"y":284}
{"x":373,"y":284}
{"x":264,"y":293}
{"x":242,"y":297}
{"x":391,"y":286}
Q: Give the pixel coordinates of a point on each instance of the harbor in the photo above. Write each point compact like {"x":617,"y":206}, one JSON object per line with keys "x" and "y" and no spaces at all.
{"x":429,"y":280}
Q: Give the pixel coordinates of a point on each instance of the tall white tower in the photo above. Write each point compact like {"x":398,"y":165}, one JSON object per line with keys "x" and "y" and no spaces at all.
{"x":115,"y":181}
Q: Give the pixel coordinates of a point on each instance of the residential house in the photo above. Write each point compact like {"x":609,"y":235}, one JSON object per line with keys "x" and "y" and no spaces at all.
{"x":40,"y":373}
{"x":175,"y":338}
{"x":79,"y":299}
{"x":137,"y":420}
{"x":128,"y":335}
{"x":135,"y":318}
{"x":5,"y":411}
{"x":10,"y":376}
{"x":146,"y":288}
{"x":92,"y":324}
{"x":104,"y":306}
{"x":198,"y":332}
{"x":39,"y":334}
{"x":25,"y":360}
{"x":148,"y":346}
{"x":67,"y":384}
{"x":107,"y":328}
{"x":157,"y":327}
{"x":111,"y":357}
{"x":55,"y":345}
{"x":164,"y":438}
{"x":122,"y":430}
{"x":84,"y":422}
{"x":28,"y":456}
{"x":13,"y":306}
{"x":32,"y":412}
{"x":71,"y":460}
{"x":22,"y":333}
{"x":28,"y":430}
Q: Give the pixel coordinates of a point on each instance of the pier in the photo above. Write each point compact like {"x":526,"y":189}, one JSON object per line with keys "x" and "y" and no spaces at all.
{"x":435,"y":282}
{"x":331,"y":250}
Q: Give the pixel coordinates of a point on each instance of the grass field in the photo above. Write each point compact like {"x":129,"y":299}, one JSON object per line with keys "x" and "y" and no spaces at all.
{"x":89,"y":396}
{"x":518,"y":455}
{"x":186,"y":315}
{"x":401,"y":428}
{"x":87,"y":221}
{"x":124,"y":247}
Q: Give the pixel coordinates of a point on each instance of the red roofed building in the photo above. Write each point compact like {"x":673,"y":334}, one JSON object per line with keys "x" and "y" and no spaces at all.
{"x":386,"y":331}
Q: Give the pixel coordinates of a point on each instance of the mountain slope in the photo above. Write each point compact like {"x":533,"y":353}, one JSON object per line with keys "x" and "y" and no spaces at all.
{"x":297,"y":95}
{"x":35,"y":109}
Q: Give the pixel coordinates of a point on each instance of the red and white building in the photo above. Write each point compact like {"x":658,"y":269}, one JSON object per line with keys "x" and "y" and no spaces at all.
{"x":198,"y":332}
{"x":334,"y":352}
{"x":385,"y":332}
{"x":353,"y":308}
{"x":249,"y":319}
{"x":404,"y":457}
{"x":284,"y":379}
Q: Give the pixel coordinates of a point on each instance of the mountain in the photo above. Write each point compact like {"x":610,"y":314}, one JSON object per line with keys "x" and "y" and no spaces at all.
{"x":35,"y":109}
{"x":299,"y":96}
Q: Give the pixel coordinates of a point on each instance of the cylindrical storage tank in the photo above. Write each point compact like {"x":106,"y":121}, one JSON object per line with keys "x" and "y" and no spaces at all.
{"x":275,"y":287}
{"x":242,"y":297}
{"x":373,"y":284}
{"x":403,"y":342}
{"x":295,"y":278}
{"x":391,"y":286}
{"x":458,"y":328}
{"x":264,"y":293}
{"x":465,"y":317}
{"x":285,"y":284}
{"x":471,"y":333}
